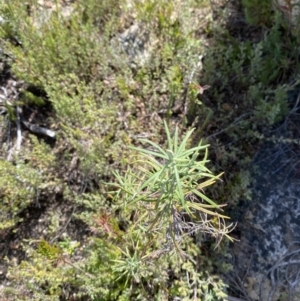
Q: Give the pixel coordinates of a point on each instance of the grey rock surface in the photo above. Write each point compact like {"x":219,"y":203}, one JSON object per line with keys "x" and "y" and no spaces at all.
{"x":267,"y":257}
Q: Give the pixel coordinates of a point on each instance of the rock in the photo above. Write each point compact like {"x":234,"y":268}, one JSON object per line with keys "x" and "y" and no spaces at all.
{"x":269,"y":249}
{"x":137,"y":43}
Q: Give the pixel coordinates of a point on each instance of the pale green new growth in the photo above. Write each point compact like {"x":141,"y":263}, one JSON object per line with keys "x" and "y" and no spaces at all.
{"x":169,"y":183}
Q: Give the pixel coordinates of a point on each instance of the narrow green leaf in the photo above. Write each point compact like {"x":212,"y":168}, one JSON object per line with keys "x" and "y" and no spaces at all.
{"x":204,"y":197}
{"x":176,"y":140}
{"x":170,"y":143}
{"x":150,"y":161}
{"x":163,"y":155}
{"x":206,"y":183}
{"x":156,"y":146}
{"x":178,"y":183}
{"x":180,"y":192}
{"x":191,"y":151}
{"x":184,"y":141}
{"x":199,"y":207}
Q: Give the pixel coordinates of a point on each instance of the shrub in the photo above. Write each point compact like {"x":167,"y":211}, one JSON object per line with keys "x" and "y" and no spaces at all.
{"x":24,"y":181}
{"x":170,"y":184}
{"x":259,"y":12}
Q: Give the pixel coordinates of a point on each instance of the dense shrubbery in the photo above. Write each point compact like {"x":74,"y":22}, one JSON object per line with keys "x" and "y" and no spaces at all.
{"x":103,"y":95}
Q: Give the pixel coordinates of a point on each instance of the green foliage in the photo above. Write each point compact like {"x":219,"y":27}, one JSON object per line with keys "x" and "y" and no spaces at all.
{"x":121,"y":262}
{"x":30,"y":98}
{"x":41,"y":276}
{"x":127,"y":271}
{"x":51,"y":252}
{"x":57,"y":45}
{"x":130,"y":266}
{"x":99,"y":264}
{"x":171,"y":184}
{"x":17,"y":189}
{"x":22,"y":183}
{"x":100,"y":104}
{"x":248,"y":97}
{"x":258,"y":12}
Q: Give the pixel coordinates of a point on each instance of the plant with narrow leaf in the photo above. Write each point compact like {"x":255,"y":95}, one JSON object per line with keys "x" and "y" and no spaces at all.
{"x":170,"y":184}
{"x":131,"y":265}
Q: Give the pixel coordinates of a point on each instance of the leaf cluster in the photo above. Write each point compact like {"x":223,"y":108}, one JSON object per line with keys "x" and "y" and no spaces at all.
{"x":172,"y":180}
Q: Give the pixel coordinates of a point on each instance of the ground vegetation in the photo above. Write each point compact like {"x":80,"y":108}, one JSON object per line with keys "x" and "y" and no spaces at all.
{"x":128,"y":129}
